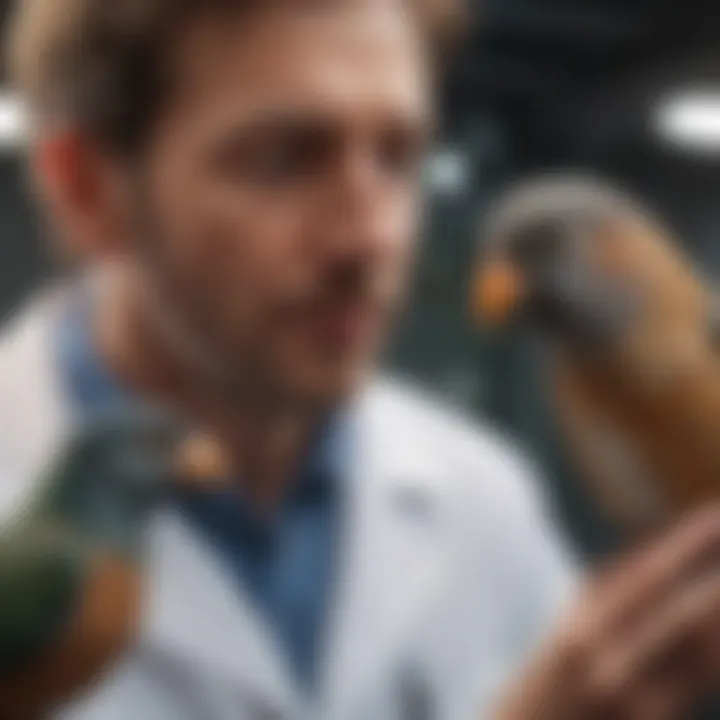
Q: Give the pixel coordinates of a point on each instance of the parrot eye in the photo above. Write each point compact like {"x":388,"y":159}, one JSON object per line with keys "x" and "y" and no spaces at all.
{"x":538,"y":243}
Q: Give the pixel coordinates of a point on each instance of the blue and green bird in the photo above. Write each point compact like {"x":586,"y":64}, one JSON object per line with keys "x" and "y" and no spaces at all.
{"x":72,"y":558}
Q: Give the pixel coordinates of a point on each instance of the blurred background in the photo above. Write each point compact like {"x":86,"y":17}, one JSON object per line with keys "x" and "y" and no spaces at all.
{"x":629,"y":89}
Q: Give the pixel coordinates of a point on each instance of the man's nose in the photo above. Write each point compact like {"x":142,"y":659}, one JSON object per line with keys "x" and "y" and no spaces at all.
{"x":366,"y":214}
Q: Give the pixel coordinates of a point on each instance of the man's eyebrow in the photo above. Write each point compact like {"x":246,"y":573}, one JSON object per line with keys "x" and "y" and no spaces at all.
{"x":282,"y":118}
{"x":270,"y":125}
{"x":313,"y":125}
{"x":240,"y":139}
{"x":279,"y":120}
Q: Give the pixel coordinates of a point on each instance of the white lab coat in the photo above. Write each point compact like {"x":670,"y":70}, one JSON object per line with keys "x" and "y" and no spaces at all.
{"x":450,"y":572}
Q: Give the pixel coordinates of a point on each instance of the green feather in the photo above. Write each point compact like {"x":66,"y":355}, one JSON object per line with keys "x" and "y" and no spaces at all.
{"x":42,"y":578}
{"x":95,"y":498}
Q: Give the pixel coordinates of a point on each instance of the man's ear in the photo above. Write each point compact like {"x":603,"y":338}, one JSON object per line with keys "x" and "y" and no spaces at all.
{"x":77,"y":182}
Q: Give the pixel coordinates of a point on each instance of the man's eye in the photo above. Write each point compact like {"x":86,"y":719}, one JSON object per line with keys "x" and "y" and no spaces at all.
{"x":279,"y":163}
{"x":261,"y":165}
{"x":279,"y":157}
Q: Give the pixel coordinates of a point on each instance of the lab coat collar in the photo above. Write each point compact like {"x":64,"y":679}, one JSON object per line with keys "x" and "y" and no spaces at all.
{"x":389,"y":568}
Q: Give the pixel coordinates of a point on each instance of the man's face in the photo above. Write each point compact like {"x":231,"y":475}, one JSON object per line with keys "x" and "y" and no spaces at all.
{"x":281,"y":193}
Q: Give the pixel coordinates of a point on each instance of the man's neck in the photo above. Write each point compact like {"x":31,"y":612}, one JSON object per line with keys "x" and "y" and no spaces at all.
{"x":265,"y":445}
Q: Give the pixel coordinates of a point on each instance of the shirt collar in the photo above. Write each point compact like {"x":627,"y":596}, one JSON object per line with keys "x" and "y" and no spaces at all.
{"x":92,"y":387}
{"x":95,"y":391}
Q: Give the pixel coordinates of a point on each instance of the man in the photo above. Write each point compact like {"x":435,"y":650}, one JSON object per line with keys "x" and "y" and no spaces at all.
{"x":240,"y":184}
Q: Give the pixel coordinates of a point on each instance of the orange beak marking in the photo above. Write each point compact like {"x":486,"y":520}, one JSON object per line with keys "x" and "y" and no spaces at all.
{"x":498,"y":291}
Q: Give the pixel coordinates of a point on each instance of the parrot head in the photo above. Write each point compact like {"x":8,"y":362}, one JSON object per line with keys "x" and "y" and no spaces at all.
{"x":548,"y":251}
{"x":115,"y":470}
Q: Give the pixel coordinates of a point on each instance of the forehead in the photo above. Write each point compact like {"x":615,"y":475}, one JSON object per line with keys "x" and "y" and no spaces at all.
{"x":351,"y":60}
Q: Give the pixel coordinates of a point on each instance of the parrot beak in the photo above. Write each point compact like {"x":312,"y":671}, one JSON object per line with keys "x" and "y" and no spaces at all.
{"x":499,"y":290}
{"x":564,"y":302}
{"x":538,"y":267}
{"x":200,"y":461}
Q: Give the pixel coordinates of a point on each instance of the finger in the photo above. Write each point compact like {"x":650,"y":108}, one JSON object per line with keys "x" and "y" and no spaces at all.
{"x":669,"y":699}
{"x":650,"y":576}
{"x":687,"y":623}
{"x":673,"y":694}
{"x":616,"y":598}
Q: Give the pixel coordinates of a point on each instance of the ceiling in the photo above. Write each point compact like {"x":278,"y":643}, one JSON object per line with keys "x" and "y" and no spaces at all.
{"x":562,"y":75}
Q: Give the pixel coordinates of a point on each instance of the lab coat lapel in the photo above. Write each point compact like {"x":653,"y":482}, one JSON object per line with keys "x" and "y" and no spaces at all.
{"x":391,"y":561}
{"x":197,"y":613}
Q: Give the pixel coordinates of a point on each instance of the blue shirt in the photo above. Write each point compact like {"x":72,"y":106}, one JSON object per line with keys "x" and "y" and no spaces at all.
{"x":285,"y":565}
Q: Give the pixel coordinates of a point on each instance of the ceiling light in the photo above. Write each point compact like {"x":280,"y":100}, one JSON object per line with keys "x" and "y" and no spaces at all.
{"x":447,"y":171}
{"x":691,"y":120}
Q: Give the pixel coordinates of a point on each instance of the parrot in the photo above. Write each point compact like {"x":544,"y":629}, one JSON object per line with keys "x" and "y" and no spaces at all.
{"x":72,"y":559}
{"x":631,"y":333}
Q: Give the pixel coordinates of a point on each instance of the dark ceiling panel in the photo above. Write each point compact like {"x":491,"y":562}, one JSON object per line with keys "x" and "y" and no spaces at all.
{"x":544,"y":68}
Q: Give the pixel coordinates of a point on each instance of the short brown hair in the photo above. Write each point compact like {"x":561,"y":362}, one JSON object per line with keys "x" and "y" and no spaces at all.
{"x":103,"y":63}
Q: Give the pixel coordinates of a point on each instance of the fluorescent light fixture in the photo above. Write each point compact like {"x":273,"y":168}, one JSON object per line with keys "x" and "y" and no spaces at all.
{"x":13,"y":122}
{"x":691,"y":120}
